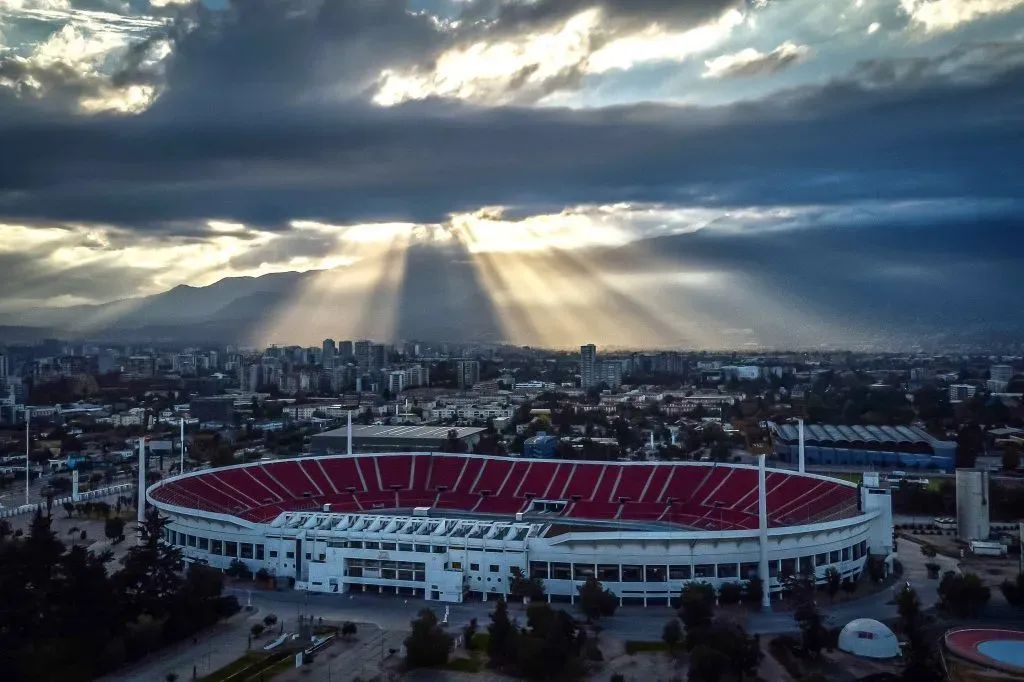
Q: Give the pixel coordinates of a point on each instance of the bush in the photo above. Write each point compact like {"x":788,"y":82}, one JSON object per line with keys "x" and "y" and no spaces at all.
{"x":617,"y":677}
{"x":465,"y":665}
{"x":730,"y":593}
{"x":257,"y":629}
{"x":269,"y":619}
{"x":263,"y":575}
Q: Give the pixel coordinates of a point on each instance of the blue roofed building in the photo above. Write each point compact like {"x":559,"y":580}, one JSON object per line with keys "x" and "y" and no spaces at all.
{"x":541,"y":446}
{"x":905,"y":447}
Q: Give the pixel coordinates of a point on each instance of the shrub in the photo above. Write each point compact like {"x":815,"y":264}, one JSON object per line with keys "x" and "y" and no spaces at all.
{"x":730,"y":593}
{"x":257,"y":629}
{"x":270,"y":619}
{"x":617,"y":677}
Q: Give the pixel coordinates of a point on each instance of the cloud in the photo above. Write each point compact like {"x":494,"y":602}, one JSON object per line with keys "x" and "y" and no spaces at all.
{"x":750,"y":62}
{"x":945,"y":15}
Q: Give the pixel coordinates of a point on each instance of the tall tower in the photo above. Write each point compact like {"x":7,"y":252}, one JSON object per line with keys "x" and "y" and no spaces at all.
{"x":328,"y":354}
{"x":588,"y":366}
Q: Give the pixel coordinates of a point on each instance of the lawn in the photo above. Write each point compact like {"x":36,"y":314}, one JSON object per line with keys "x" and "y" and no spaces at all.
{"x":231,"y":669}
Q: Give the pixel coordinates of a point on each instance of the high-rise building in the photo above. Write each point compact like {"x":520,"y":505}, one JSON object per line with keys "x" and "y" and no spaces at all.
{"x":397,"y":381}
{"x":588,"y":362}
{"x":468,"y":373}
{"x":378,"y":356}
{"x":140,"y":366}
{"x":345,"y":351}
{"x":4,"y":369}
{"x":1001,"y":373}
{"x":328,"y":353}
{"x":361,"y":351}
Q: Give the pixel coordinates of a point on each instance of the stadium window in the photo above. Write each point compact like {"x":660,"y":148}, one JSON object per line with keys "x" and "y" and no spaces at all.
{"x":820,"y":559}
{"x":560,"y":571}
{"x":539,"y":569}
{"x":679,"y":572}
{"x":191,"y":540}
{"x":355,"y":544}
{"x":608,"y":573}
{"x":582,"y":571}
{"x":749,"y":570}
{"x":231,"y":549}
{"x":259,"y":552}
{"x":773,"y":569}
{"x":404,"y":547}
{"x":371,"y":545}
{"x":422,"y":548}
{"x":474,"y":567}
{"x":388,"y":546}
{"x":308,"y":556}
{"x":863,"y":547}
{"x":833,"y":556}
{"x":846,"y":553}
{"x":494,"y":568}
{"x":438,"y":549}
{"x":289,"y":555}
{"x":788,"y":567}
{"x":806,"y":565}
{"x":654,"y":574}
{"x":405,"y":575}
{"x":246,"y":550}
{"x":457,"y":565}
{"x":856,"y":551}
{"x":727,"y":571}
{"x":420,"y":576}
{"x":172,"y":537}
{"x":632,"y":574}
{"x":704,"y":571}
{"x":273,"y":554}
{"x":216,"y":547}
{"x":204,"y":543}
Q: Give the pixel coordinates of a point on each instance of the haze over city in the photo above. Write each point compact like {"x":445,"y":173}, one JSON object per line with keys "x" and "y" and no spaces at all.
{"x":697,"y":174}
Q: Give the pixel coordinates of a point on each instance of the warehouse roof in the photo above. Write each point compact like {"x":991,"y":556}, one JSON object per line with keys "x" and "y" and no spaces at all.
{"x":402,"y":432}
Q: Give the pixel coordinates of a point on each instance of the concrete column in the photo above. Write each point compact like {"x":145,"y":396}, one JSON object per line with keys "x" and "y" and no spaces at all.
{"x":181,"y":465}
{"x":142,"y":480}
{"x":800,"y":427}
{"x":350,"y":432}
{"x":762,"y":525}
{"x":75,"y":494}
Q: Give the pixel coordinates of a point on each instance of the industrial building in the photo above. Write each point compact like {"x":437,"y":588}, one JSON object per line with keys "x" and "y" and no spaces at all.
{"x":906,"y":447}
{"x":393,"y":439}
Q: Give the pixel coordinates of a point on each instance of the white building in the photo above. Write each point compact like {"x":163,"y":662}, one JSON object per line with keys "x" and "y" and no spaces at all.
{"x":961,"y":392}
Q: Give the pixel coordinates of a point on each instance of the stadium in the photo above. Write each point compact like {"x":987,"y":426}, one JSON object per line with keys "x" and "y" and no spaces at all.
{"x":450,"y":527}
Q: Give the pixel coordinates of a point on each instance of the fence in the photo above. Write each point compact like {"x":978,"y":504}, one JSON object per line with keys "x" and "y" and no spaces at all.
{"x":88,"y":495}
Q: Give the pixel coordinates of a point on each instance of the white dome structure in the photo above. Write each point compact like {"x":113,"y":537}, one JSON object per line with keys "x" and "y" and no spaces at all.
{"x":868,"y":638}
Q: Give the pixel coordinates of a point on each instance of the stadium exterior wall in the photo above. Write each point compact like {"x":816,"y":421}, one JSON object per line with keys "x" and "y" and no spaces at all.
{"x":445,"y":562}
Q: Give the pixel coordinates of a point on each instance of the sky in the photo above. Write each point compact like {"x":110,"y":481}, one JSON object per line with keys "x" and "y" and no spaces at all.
{"x":660,"y":172}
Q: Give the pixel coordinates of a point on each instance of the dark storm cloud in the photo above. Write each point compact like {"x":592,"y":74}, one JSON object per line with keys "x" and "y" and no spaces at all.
{"x":841,"y":142}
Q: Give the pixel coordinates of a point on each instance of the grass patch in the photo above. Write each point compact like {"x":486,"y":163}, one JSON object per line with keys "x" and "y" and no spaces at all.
{"x":253,"y":658}
{"x":481,"y":640}
{"x":641,"y":647}
{"x":285,"y":664}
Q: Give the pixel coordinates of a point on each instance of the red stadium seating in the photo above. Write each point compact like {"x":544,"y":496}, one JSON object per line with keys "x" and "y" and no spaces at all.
{"x":699,"y":496}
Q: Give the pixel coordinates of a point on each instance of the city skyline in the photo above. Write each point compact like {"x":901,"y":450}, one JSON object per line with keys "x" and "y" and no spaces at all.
{"x":716,"y":173}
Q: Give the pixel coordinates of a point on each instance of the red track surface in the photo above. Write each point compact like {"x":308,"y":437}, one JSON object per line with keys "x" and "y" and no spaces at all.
{"x":965,"y":642}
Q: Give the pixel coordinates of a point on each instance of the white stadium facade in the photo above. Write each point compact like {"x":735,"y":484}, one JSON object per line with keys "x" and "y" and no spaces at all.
{"x":449,"y":527}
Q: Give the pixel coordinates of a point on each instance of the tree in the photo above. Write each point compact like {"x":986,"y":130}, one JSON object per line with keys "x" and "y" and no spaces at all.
{"x":730,"y":593}
{"x":502,"y":637}
{"x":595,"y":601}
{"x":832,"y":581}
{"x":970,"y":443}
{"x":1014,"y":590}
{"x":257,"y":629}
{"x":707,"y":664}
{"x":427,"y":646}
{"x":69,"y":508}
{"x":696,"y":610}
{"x":1011,"y":457}
{"x":113,"y":529}
{"x":468,"y":633}
{"x":152,"y":570}
{"x":672,"y":634}
{"x":237,"y":569}
{"x":921,"y":664}
{"x":348,"y":630}
{"x":963,"y":595}
{"x":522,"y":586}
{"x":806,"y":614}
{"x":270,"y":620}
